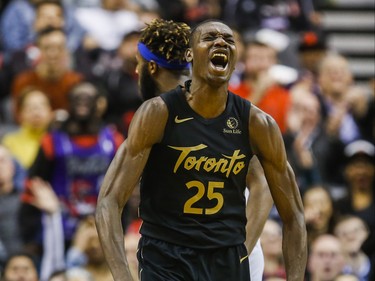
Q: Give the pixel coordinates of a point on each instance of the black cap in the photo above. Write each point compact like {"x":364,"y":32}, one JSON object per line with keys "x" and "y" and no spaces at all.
{"x":311,"y":40}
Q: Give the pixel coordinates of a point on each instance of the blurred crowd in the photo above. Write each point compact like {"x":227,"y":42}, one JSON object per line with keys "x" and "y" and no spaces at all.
{"x":69,"y":89}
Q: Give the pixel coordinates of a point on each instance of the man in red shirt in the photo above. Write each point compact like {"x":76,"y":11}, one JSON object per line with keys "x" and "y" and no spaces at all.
{"x":259,"y":86}
{"x":52,"y":74}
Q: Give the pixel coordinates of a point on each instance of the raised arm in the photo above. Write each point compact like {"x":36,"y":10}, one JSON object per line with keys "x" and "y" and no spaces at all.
{"x":146,"y":129}
{"x":268,"y":145}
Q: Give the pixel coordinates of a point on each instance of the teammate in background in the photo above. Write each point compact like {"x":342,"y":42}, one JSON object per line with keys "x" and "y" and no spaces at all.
{"x":205,"y":217}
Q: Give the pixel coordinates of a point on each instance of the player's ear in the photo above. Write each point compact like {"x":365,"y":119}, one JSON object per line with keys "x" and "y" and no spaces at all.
{"x":152,"y":67}
{"x":189,"y":55}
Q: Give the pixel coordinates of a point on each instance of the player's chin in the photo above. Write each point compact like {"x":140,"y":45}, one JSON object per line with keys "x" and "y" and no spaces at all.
{"x":220,"y":73}
{"x":218,"y":79}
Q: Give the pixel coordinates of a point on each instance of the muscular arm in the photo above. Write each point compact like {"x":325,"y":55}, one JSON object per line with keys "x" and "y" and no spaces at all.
{"x":122,"y":176}
{"x":268,"y":145}
{"x":259,"y":203}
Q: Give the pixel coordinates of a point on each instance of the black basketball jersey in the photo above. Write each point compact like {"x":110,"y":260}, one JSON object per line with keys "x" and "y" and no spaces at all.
{"x":192,"y":188}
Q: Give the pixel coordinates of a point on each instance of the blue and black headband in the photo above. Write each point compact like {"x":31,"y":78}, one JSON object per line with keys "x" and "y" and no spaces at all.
{"x":148,"y":56}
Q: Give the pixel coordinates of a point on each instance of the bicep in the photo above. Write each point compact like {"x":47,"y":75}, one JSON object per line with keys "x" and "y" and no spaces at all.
{"x":266,"y":140}
{"x":268,"y":145}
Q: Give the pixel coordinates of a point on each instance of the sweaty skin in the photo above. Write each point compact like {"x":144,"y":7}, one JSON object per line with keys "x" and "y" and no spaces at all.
{"x":260,"y":202}
{"x":208,"y":96}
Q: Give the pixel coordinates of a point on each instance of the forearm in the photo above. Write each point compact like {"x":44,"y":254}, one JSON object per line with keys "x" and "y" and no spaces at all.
{"x":259,"y":203}
{"x":108,"y":221}
{"x":288,"y":201}
{"x":269,"y":144}
{"x":257,"y":211}
{"x":113,"y":195}
{"x":294,"y":231}
{"x":118,"y":185}
{"x":295,"y":249}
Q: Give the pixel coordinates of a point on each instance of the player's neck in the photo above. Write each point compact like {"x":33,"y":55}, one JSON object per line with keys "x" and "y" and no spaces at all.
{"x":206,"y":100}
{"x":171,"y":81}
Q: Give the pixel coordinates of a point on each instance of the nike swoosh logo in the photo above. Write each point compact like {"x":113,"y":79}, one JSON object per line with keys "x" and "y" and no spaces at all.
{"x":176,"y":120}
{"x":244,"y":258}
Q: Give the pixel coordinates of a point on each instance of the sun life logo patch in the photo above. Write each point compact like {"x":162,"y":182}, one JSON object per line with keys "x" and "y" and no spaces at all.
{"x":232,"y":124}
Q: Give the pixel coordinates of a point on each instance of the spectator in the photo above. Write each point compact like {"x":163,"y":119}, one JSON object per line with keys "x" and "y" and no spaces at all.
{"x":121,"y":84}
{"x":250,"y":15}
{"x":352,"y":232}
{"x":48,"y":14}
{"x":16,"y":26}
{"x":52,"y":74}
{"x":34,"y":117}
{"x":171,"y":10}
{"x":76,"y":256}
{"x":10,"y":204}
{"x":147,"y":14}
{"x":326,"y":259}
{"x":95,"y":264}
{"x":305,"y":140}
{"x":197,"y":11}
{"x":259,"y":87}
{"x":16,"y":22}
{"x":73,"y":159}
{"x":287,"y":17}
{"x":361,"y":103}
{"x":10,"y":229}
{"x":359,"y":177}
{"x":319,"y":212}
{"x":311,"y":49}
{"x":107,"y":24}
{"x":20,"y":267}
{"x":335,"y":80}
{"x":271,"y":241}
{"x":43,"y":198}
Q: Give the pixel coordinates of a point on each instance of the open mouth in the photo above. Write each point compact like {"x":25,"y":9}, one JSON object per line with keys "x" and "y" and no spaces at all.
{"x":219,"y":60}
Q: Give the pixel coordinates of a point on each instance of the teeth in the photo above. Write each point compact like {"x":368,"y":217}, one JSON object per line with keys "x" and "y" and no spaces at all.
{"x":220,"y":55}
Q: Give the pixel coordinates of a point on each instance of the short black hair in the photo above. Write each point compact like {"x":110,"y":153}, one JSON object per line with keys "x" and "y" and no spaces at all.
{"x":312,"y":41}
{"x":167,"y":39}
{"x":196,"y":28}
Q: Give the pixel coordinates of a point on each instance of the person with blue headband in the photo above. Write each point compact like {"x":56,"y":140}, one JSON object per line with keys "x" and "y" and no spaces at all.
{"x":161,"y":57}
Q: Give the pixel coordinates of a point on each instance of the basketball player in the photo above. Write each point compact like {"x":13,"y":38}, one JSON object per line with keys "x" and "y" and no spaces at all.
{"x":192,"y":147}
